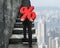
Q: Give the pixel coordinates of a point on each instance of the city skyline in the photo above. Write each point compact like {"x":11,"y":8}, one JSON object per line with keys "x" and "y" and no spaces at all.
{"x":49,"y":10}
{"x":51,"y":16}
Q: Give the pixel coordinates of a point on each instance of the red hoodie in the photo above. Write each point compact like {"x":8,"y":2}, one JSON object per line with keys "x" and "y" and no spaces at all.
{"x":27,"y":13}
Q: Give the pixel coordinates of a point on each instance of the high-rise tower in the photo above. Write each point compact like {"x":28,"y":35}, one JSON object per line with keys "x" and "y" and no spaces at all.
{"x":41,"y":38}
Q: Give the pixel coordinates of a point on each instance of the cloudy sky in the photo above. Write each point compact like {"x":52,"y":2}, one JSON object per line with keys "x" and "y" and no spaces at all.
{"x":51,"y":16}
{"x":46,"y":3}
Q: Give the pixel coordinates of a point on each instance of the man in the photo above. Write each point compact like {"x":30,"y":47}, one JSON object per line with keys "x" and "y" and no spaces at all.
{"x":27,"y":23}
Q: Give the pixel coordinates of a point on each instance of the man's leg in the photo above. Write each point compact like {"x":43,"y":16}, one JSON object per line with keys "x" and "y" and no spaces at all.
{"x":24,"y":39}
{"x":24,"y":31}
{"x":30,"y":34}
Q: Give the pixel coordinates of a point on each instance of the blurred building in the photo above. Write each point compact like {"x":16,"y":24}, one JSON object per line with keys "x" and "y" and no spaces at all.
{"x":41,"y":35}
{"x":50,"y":42}
{"x":57,"y":42}
{"x":53,"y":42}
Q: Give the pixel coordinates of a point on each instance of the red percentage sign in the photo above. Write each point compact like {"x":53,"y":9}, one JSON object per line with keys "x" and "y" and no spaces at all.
{"x":27,"y":13}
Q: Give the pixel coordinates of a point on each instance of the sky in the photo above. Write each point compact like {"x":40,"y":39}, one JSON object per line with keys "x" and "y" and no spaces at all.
{"x":51,"y":15}
{"x":46,"y":3}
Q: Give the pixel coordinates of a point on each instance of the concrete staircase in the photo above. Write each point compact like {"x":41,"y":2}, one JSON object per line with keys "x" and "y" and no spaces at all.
{"x":17,"y":33}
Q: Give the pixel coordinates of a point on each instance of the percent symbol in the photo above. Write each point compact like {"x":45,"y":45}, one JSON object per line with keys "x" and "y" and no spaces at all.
{"x":27,"y":13}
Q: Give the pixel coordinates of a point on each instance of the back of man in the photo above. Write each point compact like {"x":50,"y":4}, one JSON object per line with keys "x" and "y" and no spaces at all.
{"x":27,"y":23}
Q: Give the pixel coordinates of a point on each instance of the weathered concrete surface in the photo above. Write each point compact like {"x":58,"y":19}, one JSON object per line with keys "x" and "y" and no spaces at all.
{"x":8,"y":13}
{"x":22,"y":46}
{"x":1,"y":23}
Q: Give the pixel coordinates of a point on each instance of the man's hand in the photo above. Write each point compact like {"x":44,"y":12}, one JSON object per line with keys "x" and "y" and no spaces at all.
{"x":22,"y":19}
{"x":31,"y":20}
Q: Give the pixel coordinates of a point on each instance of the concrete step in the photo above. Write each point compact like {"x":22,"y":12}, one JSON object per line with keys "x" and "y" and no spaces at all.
{"x":18,"y":41}
{"x":22,"y":28}
{"x":18,"y":36}
{"x":20,"y":25}
{"x":21,"y":32}
{"x":22,"y":46}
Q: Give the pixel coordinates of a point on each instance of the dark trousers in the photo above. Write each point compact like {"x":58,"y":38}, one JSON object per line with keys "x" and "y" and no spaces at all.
{"x":29,"y":26}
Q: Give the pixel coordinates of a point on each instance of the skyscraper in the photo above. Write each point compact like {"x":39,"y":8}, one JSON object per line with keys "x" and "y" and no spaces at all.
{"x":53,"y":42}
{"x":56,"y":40}
{"x":41,"y":34}
{"x":50,"y":42}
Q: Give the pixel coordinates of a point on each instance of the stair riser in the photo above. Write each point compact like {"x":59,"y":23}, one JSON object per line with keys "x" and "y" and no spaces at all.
{"x":22,"y":29}
{"x":21,"y":32}
{"x":18,"y":41}
{"x":20,"y":25}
